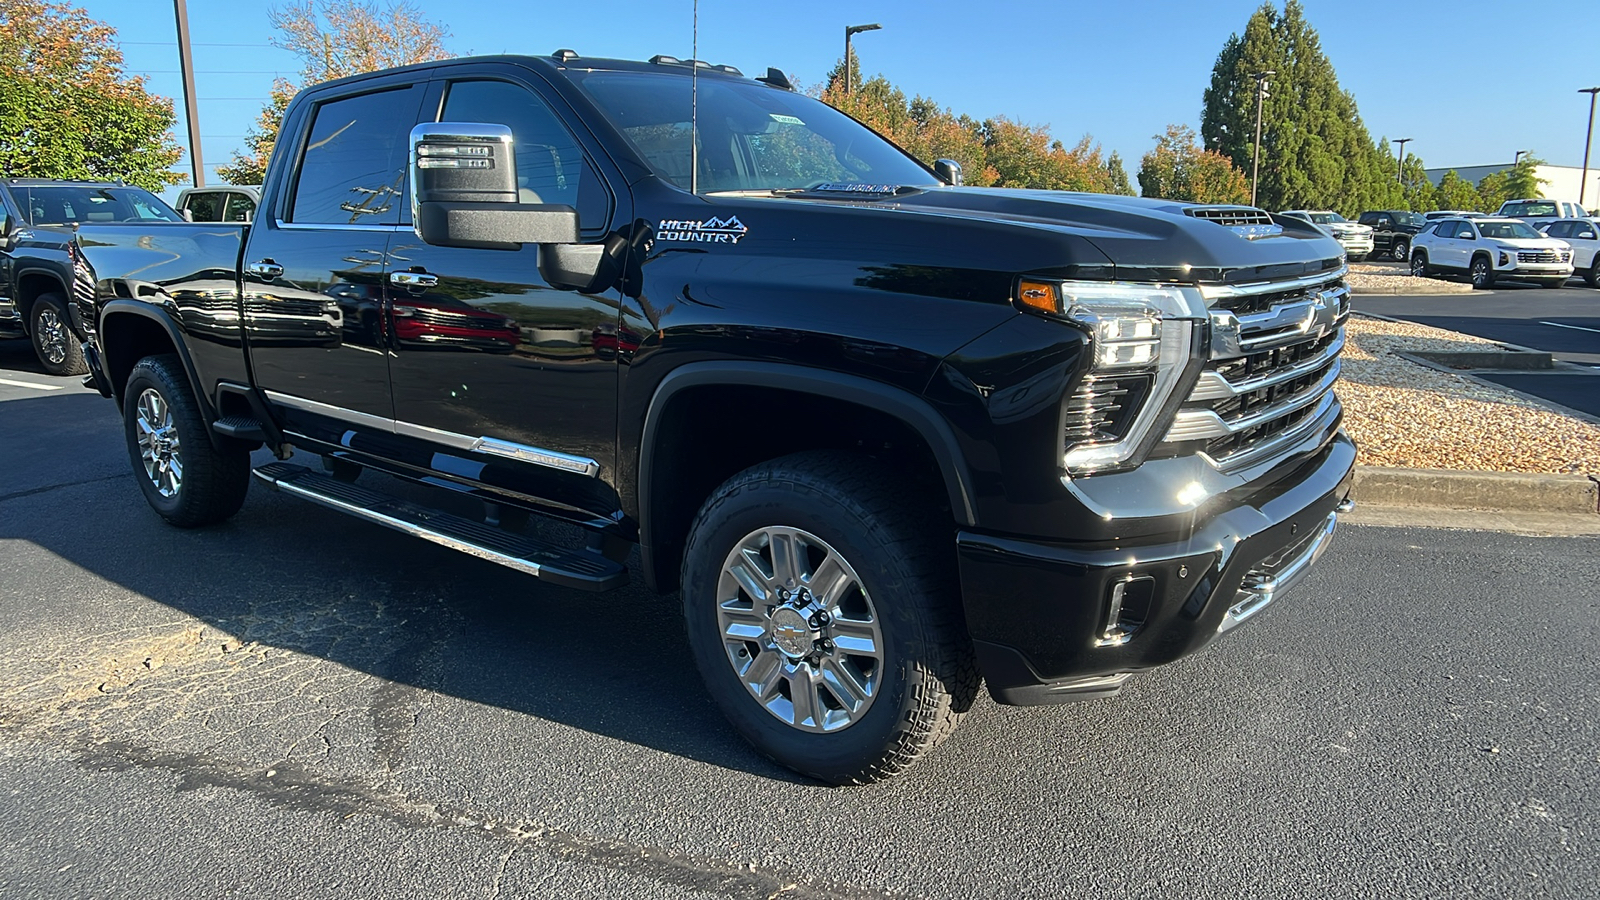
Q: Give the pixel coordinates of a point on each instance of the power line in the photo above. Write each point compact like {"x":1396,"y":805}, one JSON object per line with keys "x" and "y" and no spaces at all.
{"x":203,"y":72}
{"x":169,"y":44}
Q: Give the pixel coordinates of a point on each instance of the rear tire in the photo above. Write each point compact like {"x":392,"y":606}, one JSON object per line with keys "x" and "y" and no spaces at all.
{"x":1402,"y":247}
{"x":54,"y":341}
{"x":186,"y":479}
{"x":886,"y":612}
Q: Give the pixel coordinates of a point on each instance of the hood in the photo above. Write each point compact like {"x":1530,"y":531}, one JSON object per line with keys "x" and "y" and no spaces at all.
{"x":1530,"y":243}
{"x":1144,"y":239}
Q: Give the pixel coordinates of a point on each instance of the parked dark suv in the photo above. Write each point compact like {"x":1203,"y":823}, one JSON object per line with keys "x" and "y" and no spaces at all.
{"x":1392,"y":230}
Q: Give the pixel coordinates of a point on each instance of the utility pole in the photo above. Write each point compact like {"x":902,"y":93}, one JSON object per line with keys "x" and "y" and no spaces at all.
{"x":848,"y":31}
{"x":190,"y":102}
{"x":1588,"y":136}
{"x":1400,"y":160}
{"x":1255,"y":159}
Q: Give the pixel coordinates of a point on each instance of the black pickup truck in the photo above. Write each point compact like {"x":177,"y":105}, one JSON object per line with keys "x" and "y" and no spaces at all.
{"x":40,"y":268}
{"x":890,"y":437}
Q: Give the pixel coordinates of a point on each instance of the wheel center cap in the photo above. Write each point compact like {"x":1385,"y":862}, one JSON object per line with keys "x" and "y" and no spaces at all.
{"x":791,"y":632}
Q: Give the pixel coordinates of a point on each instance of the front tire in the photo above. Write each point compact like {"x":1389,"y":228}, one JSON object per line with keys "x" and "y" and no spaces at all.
{"x":186,"y":479}
{"x":1402,"y":247}
{"x":1419,"y":264}
{"x":1481,"y":273}
{"x":822,"y":611}
{"x":1592,"y":276}
{"x":54,"y":341}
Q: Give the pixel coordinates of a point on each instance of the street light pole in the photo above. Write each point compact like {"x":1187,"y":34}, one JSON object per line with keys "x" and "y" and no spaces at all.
{"x":1255,"y":159}
{"x":1588,"y":136}
{"x":1400,"y":163}
{"x":848,"y":31}
{"x":1517,"y":157}
{"x":190,"y":102}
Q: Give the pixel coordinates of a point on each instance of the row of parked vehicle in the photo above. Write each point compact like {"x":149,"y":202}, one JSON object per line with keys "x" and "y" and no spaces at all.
{"x":1546,"y":241}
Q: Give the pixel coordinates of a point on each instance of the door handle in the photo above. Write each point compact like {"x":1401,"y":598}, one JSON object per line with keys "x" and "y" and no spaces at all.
{"x":413,"y":279}
{"x":266,"y":268}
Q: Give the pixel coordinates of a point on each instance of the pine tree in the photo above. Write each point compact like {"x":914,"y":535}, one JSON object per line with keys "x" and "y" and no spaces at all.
{"x":1315,"y":151}
{"x":1455,"y":192}
{"x":1118,"y":175}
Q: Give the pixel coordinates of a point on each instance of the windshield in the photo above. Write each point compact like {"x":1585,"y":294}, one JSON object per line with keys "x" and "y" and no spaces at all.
{"x":65,"y":204}
{"x":1327,"y":218}
{"x":752,"y":137}
{"x":1530,"y":208}
{"x":1409,"y":218}
{"x":1507,"y":230}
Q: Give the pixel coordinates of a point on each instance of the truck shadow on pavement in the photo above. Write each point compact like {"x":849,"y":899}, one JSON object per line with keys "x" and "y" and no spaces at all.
{"x":289,"y":575}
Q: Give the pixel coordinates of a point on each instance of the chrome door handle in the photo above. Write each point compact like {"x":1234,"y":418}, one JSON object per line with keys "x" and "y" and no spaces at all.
{"x":266,"y":268}
{"x":413,"y":279}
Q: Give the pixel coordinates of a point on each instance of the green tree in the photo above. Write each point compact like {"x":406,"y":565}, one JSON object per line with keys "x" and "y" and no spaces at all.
{"x":1522,"y":180}
{"x":1455,"y":192}
{"x":334,"y":38}
{"x":1315,"y":151}
{"x":68,"y":110}
{"x":1118,"y":175}
{"x":1178,"y":169}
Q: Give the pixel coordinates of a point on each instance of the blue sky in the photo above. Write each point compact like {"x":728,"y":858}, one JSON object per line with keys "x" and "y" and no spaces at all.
{"x":1439,"y":73}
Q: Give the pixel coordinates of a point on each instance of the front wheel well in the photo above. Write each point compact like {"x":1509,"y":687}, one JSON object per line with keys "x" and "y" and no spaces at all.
{"x":31,"y":287}
{"x":706,"y":434}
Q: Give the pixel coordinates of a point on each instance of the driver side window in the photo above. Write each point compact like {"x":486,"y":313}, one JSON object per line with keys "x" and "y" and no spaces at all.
{"x":1466,"y":233}
{"x":551,"y":168}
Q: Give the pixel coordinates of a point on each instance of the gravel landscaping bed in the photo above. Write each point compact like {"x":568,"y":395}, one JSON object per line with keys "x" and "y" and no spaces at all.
{"x":1396,"y":278}
{"x":1405,"y":414}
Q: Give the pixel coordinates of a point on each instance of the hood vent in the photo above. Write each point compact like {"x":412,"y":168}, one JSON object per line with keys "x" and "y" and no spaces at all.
{"x":1230,"y":215}
{"x":1246,"y":221}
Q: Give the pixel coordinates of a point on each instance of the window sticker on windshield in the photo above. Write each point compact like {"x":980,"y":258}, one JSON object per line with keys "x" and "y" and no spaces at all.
{"x":708,"y":231}
{"x":786,"y":120}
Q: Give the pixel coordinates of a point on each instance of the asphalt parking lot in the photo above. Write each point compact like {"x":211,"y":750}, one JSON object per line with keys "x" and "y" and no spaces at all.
{"x":1563,"y":322}
{"x":296,"y":704}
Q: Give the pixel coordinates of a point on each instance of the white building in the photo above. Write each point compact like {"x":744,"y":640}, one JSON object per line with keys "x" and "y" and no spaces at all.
{"x":1560,"y":182}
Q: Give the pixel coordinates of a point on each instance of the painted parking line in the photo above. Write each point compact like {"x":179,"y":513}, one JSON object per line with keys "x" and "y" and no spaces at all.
{"x":37,"y":387}
{"x":1573,"y":327}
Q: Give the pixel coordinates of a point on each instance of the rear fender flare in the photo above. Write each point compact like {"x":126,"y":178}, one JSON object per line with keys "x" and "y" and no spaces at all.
{"x":111,"y":311}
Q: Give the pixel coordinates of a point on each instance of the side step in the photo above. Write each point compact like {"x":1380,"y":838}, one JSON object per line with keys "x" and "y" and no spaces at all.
{"x":550,"y":562}
{"x":242,"y":427}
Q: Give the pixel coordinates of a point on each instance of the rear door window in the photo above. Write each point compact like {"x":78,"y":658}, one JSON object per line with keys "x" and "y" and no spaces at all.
{"x":240,"y":208}
{"x":353,"y":168}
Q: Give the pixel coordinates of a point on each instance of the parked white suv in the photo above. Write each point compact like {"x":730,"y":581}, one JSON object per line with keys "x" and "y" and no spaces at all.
{"x":1486,"y":250}
{"x":1354,"y":238}
{"x":1536,"y":212}
{"x":1584,"y":236}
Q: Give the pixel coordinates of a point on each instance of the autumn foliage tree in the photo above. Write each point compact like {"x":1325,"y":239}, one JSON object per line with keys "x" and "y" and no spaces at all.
{"x":333,"y":39}
{"x":1178,"y":169}
{"x":996,"y":152}
{"x":67,"y":108}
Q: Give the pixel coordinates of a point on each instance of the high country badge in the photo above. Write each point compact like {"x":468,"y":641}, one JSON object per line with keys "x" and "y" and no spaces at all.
{"x":709,"y":231}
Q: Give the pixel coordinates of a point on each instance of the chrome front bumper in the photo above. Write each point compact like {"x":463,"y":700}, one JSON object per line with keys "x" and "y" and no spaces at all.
{"x":1280,"y":572}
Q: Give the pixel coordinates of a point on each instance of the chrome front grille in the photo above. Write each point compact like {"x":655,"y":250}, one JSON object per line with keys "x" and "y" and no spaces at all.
{"x":1269,"y":382}
{"x":1538,"y":256}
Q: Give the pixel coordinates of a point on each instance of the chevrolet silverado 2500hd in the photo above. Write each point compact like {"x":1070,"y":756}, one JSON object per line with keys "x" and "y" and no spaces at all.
{"x":889,"y":437}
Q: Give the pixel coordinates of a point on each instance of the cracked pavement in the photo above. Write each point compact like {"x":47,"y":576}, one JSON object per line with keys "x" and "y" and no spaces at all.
{"x":295,"y":703}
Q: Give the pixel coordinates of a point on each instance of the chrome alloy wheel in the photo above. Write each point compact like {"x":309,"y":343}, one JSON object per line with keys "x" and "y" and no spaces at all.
{"x":53,"y":336}
{"x":158,"y":443}
{"x":799,"y":629}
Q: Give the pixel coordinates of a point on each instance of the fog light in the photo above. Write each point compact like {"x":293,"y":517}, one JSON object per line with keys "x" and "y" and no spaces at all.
{"x":1504,"y":259}
{"x":1127,"y":609}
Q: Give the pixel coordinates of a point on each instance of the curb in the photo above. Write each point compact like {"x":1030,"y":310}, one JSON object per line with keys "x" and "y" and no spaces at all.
{"x":1500,"y":491}
{"x":1409,"y":291}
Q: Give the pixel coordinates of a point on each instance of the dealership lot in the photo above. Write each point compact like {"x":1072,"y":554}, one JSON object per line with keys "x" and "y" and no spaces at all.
{"x":296,"y":704}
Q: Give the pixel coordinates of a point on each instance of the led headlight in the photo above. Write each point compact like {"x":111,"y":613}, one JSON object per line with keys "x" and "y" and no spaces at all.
{"x":1141,"y":340}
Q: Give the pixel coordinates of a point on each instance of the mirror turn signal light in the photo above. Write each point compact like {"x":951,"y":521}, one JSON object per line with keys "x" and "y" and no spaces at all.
{"x":1039,"y":295}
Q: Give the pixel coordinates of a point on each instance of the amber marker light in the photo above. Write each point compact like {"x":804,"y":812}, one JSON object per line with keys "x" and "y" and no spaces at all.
{"x":1038,"y":295}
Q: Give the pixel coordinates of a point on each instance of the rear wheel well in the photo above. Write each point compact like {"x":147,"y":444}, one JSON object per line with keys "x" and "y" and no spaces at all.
{"x":133,"y":338}
{"x":708,"y":433}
